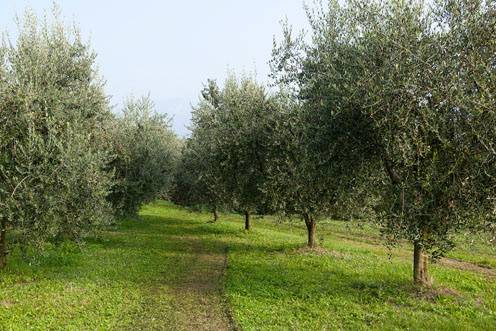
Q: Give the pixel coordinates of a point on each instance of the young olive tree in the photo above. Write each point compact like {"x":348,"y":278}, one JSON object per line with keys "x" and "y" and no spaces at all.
{"x":311,"y":172}
{"x":53,"y":116}
{"x":418,"y":81}
{"x":228,"y":137}
{"x":199,"y":179}
{"x":146,"y":152}
{"x":302,"y":176}
{"x":245,"y":107}
{"x":194,"y":182}
{"x":292,"y":182}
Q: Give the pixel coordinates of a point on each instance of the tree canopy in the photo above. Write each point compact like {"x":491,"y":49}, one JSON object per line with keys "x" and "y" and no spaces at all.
{"x":62,"y":150}
{"x":404,"y":88}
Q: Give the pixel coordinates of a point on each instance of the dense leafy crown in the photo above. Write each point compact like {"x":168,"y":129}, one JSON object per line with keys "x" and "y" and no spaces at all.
{"x":53,"y":114}
{"x":401,"y":93}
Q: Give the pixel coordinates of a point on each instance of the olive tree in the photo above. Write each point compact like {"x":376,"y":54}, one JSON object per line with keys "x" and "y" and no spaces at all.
{"x":292,"y":182}
{"x":228,"y":137}
{"x":418,"y":110}
{"x":245,"y":106}
{"x":53,"y":115}
{"x":309,"y":177}
{"x":199,"y":180}
{"x":145,"y":153}
{"x":311,"y":171}
{"x":196,"y":181}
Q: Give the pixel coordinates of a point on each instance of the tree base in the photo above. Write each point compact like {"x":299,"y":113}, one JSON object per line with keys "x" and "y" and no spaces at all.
{"x":420,"y":272}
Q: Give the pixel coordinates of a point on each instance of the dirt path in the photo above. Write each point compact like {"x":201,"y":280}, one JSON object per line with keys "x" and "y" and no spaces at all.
{"x":199,"y":302}
{"x":189,"y":292}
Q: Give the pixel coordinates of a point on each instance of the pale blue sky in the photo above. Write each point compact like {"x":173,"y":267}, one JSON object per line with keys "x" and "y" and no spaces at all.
{"x":169,"y":48}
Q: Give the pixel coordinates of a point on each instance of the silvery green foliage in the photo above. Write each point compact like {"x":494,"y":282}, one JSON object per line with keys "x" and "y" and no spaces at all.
{"x":146,"y":151}
{"x":199,"y":179}
{"x":293,"y":182}
{"x":406,"y":88}
{"x":53,"y":113}
{"x":310,"y":170}
{"x":229,"y":127}
{"x":303,"y":180}
{"x":244,"y":111}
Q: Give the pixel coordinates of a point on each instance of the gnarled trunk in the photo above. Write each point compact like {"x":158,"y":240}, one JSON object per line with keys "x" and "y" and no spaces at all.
{"x":247,"y":221}
{"x":311,"y":230}
{"x":420,"y":260}
{"x":3,"y":243}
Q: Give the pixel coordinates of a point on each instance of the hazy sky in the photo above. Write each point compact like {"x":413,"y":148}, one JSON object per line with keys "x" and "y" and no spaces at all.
{"x":169,"y":48}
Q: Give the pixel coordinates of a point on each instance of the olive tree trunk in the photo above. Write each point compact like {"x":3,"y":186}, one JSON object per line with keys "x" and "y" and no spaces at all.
{"x":3,"y":243}
{"x":420,"y":260}
{"x":311,"y":230}
{"x":247,"y":221}
{"x":216,"y":214}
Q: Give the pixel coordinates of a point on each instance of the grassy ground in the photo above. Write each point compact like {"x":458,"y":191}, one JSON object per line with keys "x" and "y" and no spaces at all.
{"x":168,"y":271}
{"x":151,"y":273}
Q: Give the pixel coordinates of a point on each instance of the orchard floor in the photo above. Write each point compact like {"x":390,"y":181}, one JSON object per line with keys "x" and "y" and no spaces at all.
{"x":172,"y":270}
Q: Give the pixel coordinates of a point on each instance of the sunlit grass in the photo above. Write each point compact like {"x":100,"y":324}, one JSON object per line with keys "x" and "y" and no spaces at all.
{"x":125,"y":279}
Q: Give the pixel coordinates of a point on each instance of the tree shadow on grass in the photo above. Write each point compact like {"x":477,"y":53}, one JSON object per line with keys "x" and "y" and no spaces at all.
{"x":277,"y":279}
{"x":146,"y":250}
{"x":154,"y":250}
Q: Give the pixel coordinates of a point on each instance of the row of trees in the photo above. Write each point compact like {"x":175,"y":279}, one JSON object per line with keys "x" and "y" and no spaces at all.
{"x":386,"y":113}
{"x":67,"y":163}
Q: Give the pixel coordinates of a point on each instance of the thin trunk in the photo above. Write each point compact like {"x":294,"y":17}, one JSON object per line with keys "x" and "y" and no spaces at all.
{"x":311,"y":229}
{"x":216,"y":214}
{"x":391,"y":172}
{"x":3,"y":243}
{"x":420,"y":259}
{"x":247,"y":221}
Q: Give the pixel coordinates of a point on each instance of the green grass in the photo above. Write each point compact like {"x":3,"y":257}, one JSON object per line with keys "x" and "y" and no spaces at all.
{"x":128,"y":279}
{"x":357,"y":284}
{"x":113,"y":282}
